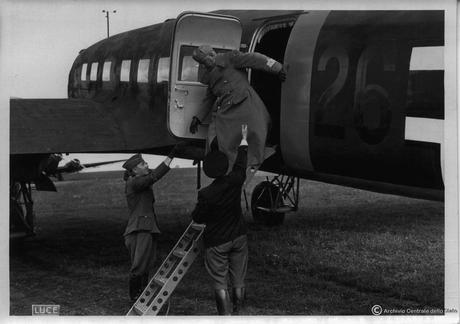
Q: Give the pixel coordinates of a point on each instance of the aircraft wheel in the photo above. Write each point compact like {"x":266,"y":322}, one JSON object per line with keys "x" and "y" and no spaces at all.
{"x":262,"y":196}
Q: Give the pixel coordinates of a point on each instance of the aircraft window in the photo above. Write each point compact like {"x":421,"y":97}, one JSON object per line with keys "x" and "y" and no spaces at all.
{"x":143,"y":71}
{"x":188,"y":67}
{"x":93,"y":76}
{"x":163,"y":69}
{"x":125,"y":68}
{"x":106,"y":71}
{"x":83,"y":71}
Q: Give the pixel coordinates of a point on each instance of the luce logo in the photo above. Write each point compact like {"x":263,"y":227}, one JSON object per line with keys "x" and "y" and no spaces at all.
{"x":45,"y":309}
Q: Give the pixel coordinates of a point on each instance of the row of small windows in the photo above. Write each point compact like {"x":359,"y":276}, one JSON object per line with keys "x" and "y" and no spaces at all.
{"x":142,"y":70}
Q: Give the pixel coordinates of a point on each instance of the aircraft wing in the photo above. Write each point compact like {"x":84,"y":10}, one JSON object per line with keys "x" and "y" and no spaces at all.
{"x":61,"y":125}
{"x":83,"y":125}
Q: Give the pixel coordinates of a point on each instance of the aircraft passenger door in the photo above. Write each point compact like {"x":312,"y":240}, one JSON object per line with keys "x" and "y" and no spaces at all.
{"x":186,"y":94}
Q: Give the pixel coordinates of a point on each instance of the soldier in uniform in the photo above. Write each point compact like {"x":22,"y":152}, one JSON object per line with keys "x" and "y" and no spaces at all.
{"x":233,"y":101}
{"x":142,"y":230}
{"x":225,"y":240}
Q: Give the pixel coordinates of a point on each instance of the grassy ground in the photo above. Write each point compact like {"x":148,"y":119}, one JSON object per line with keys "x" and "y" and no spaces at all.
{"x":343,"y":251}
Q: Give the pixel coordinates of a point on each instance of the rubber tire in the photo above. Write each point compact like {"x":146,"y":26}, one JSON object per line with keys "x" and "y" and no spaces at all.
{"x":261,"y":198}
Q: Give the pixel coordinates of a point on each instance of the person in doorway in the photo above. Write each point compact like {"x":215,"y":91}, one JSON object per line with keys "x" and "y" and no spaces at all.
{"x":225,"y":240}
{"x":232,"y":101}
{"x":142,"y":230}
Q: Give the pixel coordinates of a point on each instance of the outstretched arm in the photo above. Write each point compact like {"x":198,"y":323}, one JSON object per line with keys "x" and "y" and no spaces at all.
{"x":140,"y":183}
{"x":208,"y":101}
{"x":255,"y":61}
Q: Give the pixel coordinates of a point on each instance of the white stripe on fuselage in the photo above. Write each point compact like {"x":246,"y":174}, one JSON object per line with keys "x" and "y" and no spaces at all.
{"x":426,"y":130}
{"x":427,"y":58}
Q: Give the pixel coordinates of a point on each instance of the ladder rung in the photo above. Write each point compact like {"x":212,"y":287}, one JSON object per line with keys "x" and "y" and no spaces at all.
{"x":187,"y":238}
{"x":281,"y":209}
{"x":160,"y":281}
{"x":284,"y":209}
{"x":179,"y":253}
{"x":264,"y":209}
{"x":198,"y":226}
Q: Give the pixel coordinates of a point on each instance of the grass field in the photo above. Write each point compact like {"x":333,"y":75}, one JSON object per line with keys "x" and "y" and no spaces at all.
{"x":342,"y":252}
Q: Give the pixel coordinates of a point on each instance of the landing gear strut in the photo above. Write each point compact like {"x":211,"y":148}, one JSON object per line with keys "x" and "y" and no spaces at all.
{"x":21,"y":210}
{"x":271,"y":199}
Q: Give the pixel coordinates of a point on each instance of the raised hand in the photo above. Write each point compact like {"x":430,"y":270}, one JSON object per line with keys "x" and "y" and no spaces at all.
{"x":282,"y":74}
{"x":244,"y":131}
{"x":178,"y":148}
{"x":194,"y":124}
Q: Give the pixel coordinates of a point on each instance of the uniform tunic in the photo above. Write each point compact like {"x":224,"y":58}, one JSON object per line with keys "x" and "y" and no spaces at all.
{"x":234,"y":102}
{"x":142,"y":227}
{"x":219,"y":205}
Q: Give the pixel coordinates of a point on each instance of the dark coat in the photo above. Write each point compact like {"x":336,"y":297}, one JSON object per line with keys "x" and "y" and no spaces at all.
{"x":219,"y":205}
{"x":140,"y":198}
{"x":234,"y":102}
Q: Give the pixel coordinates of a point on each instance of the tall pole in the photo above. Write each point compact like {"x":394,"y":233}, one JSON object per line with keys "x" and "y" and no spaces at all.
{"x":108,"y":24}
{"x":107,"y":17}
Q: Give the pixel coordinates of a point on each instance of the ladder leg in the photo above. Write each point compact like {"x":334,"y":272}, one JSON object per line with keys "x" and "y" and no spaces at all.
{"x":170,"y":273}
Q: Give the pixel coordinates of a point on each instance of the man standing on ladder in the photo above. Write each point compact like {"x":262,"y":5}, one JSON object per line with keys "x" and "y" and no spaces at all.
{"x":142,"y":230}
{"x":225,"y":240}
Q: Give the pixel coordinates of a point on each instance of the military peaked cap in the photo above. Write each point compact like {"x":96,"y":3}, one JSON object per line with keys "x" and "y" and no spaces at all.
{"x":200,"y":53}
{"x":133,"y":161}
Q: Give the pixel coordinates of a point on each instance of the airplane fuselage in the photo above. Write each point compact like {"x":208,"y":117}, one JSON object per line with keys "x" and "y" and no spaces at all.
{"x":363,"y":103}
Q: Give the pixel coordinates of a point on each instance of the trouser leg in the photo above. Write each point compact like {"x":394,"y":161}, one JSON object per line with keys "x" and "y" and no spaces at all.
{"x":214,"y":146}
{"x":216,"y":264}
{"x":149,"y":271}
{"x":238,"y":263}
{"x":140,"y":246}
{"x":134,"y":287}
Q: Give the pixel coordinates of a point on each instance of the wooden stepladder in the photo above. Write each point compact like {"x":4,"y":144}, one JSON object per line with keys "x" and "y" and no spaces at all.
{"x":170,"y":273}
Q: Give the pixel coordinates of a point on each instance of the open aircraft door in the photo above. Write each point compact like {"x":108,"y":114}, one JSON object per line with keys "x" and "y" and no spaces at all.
{"x":186,"y":94}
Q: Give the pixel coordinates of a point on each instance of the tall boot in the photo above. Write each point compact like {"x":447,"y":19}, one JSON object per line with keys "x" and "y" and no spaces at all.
{"x":144,"y":282}
{"x":238,"y":297}
{"x":134,"y":287}
{"x":222,"y":301}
